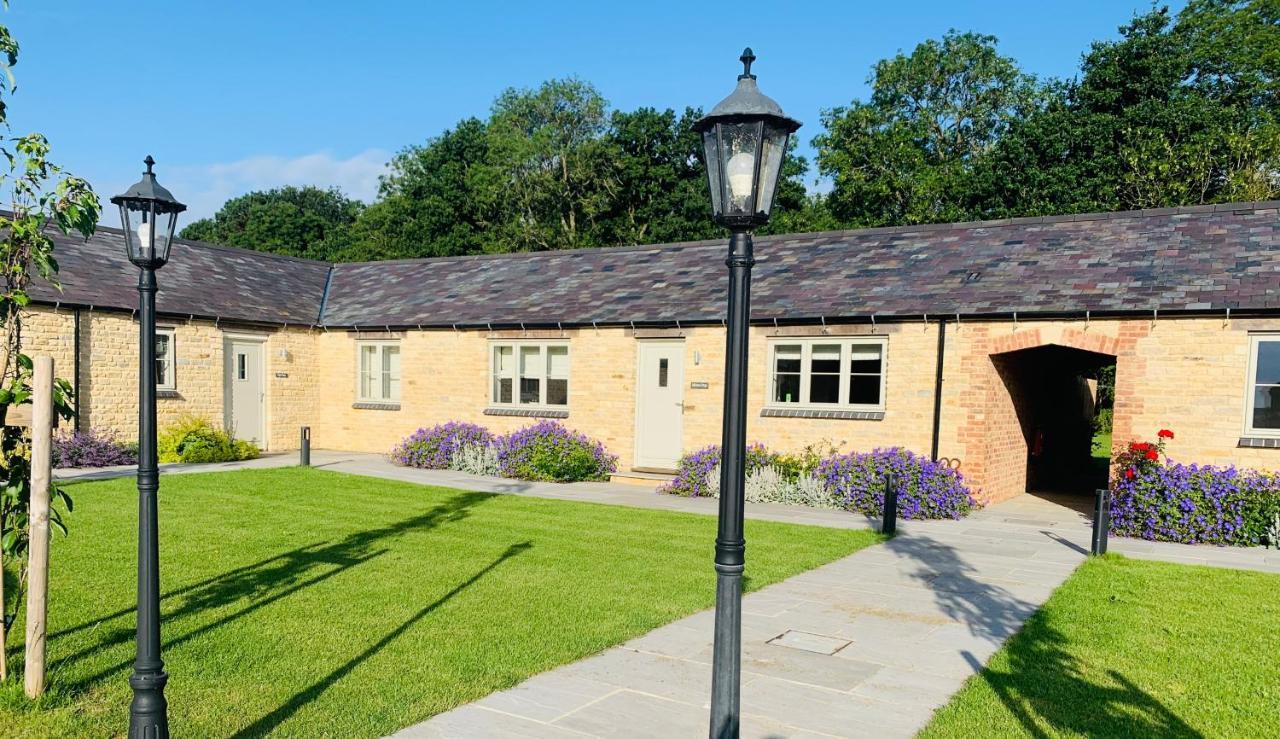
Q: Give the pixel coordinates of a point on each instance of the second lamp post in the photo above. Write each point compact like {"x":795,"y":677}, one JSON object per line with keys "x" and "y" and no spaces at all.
{"x":745,"y":137}
{"x":148,"y":214}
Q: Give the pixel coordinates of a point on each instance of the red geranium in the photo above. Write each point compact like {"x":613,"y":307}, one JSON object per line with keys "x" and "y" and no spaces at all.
{"x":1165,"y":434}
{"x":1153,"y":455}
{"x":1129,"y":473}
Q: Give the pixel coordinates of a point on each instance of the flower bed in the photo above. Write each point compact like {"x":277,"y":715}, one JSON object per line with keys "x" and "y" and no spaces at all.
{"x":1158,"y":499}
{"x":434,"y":448}
{"x":854,"y":482}
{"x":927,"y":489}
{"x":545,"y":451}
{"x":91,"y":448}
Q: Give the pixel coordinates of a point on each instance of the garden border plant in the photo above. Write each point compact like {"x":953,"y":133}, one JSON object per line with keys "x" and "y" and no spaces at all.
{"x":544,"y":451}
{"x":819,"y":476}
{"x":1156,"y":498}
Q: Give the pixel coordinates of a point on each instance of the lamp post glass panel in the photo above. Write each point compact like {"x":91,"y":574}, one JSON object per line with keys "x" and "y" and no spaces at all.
{"x":745,"y":138}
{"x":148,"y":215}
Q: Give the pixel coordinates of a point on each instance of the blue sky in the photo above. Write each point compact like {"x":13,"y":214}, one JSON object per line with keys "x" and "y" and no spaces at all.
{"x":232,"y":96}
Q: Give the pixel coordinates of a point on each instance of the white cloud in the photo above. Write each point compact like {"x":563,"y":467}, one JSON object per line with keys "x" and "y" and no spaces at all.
{"x":204,"y":188}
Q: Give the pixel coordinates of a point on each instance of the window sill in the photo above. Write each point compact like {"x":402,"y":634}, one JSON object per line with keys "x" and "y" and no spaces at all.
{"x":526,"y":412}
{"x":1258,"y":442}
{"x":366,"y":406}
{"x":843,"y":415}
{"x":168,"y":394}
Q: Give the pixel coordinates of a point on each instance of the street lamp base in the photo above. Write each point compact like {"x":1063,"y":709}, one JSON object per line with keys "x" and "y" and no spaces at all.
{"x":149,"y":711}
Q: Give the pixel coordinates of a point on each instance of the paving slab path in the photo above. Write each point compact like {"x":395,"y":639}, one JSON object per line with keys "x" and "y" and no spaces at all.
{"x":869,"y":645}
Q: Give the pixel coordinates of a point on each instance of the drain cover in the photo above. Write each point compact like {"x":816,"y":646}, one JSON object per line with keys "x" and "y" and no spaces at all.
{"x":810,"y":642}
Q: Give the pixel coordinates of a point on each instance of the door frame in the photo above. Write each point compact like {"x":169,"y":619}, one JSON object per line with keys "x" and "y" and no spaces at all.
{"x":228,"y":339}
{"x":640,"y":344}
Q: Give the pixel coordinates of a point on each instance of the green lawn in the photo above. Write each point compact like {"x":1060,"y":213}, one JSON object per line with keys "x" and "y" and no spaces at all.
{"x":1134,"y":648}
{"x":308,"y":603}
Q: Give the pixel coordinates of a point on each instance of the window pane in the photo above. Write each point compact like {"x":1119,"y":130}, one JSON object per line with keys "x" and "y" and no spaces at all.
{"x":163,"y":346}
{"x":502,"y":389}
{"x":786,"y":388}
{"x":1268,"y":363}
{"x":557,"y":392}
{"x":786,"y":358}
{"x":530,"y":382}
{"x":825,"y":358}
{"x":1266,"y":407}
{"x":530,"y":390}
{"x":390,"y":372}
{"x":662,"y":372}
{"x":502,"y":359}
{"x":824,"y":389}
{"x":865,"y":359}
{"x":368,"y":355}
{"x":864,"y":389}
{"x":558,"y":361}
{"x":242,"y":366}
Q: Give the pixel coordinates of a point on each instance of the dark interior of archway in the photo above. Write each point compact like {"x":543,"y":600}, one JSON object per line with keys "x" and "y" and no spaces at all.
{"x":1054,"y":391}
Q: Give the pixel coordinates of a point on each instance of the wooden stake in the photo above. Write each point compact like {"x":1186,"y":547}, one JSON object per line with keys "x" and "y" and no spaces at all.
{"x":38,"y":548}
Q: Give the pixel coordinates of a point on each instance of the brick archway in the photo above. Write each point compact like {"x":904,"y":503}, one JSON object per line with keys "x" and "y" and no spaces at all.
{"x":1020,"y":398}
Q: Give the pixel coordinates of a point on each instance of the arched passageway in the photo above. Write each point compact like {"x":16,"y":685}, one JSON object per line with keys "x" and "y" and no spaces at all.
{"x":1052,"y":390}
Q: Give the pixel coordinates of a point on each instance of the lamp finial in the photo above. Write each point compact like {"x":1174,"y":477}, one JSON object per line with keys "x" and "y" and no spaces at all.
{"x":747,"y":58}
{"x":150,"y":163}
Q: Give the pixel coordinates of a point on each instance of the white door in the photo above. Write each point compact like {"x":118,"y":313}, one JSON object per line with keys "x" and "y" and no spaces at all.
{"x":659,"y":404}
{"x":245,"y":390}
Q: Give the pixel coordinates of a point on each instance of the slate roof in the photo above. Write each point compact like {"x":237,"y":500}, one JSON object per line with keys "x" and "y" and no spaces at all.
{"x":1200,"y":258}
{"x":200,"y":279}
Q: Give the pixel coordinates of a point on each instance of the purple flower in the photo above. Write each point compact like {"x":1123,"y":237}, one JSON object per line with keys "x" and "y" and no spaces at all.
{"x":1195,"y":504}
{"x":90,"y":448}
{"x":433,"y":448}
{"x":927,"y":489}
{"x":549,"y":451}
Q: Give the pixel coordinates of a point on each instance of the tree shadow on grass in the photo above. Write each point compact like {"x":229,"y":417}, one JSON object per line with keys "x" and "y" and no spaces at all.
{"x":1044,"y":685}
{"x":269,"y":581}
{"x":272,"y":720}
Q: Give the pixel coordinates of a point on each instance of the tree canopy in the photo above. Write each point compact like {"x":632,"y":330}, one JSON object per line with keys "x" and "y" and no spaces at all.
{"x":1180,"y":109}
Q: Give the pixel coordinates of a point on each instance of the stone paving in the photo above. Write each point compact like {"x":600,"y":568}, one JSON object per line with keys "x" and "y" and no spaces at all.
{"x":870,"y":644}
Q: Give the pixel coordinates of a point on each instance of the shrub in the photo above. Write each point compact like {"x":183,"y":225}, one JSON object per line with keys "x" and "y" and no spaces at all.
{"x":771,"y":483}
{"x":1161,"y":500}
{"x":477,"y":458}
{"x":194,"y":439}
{"x":91,"y":449}
{"x":434,"y":448}
{"x":928,"y":489}
{"x":694,"y":468}
{"x":549,"y":451}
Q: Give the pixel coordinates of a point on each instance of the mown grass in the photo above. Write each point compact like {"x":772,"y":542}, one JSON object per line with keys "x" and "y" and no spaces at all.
{"x":1134,"y":648}
{"x":307,"y":603}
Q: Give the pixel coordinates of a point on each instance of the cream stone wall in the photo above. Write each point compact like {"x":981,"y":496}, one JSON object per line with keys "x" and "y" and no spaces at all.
{"x":1185,"y":374}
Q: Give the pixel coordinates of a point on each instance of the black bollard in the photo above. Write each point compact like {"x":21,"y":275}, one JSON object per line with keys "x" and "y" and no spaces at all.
{"x":1101,"y":521}
{"x":304,"y":449}
{"x":889,"y":524}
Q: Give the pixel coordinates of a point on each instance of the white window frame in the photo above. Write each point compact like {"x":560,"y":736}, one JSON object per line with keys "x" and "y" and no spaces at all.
{"x":171,"y":358}
{"x":806,"y":344}
{"x":514,"y":374}
{"x":381,"y":346}
{"x":1251,"y":383}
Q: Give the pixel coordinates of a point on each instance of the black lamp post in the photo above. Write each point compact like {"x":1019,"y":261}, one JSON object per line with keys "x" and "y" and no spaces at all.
{"x":148,"y":214}
{"x":745,"y":137}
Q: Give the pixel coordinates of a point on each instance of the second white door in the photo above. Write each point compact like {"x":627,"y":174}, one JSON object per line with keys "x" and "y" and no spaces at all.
{"x":659,"y":404}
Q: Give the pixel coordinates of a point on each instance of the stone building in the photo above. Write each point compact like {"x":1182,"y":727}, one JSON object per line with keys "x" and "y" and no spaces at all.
{"x":976,"y":342}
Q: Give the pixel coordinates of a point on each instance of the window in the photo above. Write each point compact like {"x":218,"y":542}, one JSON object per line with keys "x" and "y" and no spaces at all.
{"x":1264,"y":386}
{"x":379,"y":371}
{"x":827,"y":373}
{"x":532,"y":374}
{"x":166,"y":376}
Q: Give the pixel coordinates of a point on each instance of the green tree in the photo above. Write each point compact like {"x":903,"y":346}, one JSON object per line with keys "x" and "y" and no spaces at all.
{"x":659,"y":189}
{"x":906,"y":154}
{"x":1177,"y":111}
{"x":295,"y":221}
{"x":427,"y":206}
{"x":547,"y":178}
{"x":42,"y":197}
